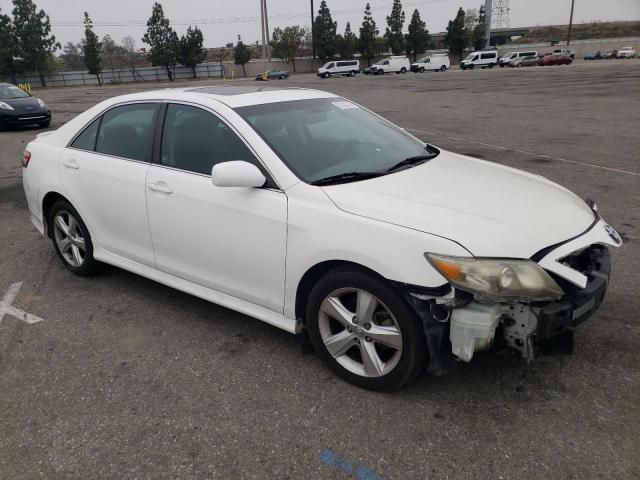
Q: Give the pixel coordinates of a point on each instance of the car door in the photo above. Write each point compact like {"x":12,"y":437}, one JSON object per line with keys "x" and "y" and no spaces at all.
{"x":232,"y":240}
{"x":104,"y":170}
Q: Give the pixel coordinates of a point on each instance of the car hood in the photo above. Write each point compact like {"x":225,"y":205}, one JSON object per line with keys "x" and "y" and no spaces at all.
{"x":23,"y":105}
{"x":491,"y":210}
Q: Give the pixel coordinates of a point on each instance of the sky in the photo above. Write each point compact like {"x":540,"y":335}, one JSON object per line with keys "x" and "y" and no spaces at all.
{"x":222,"y":20}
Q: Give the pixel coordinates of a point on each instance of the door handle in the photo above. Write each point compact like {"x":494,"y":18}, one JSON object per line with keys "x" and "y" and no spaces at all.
{"x":160,"y":187}
{"x":71,"y":163}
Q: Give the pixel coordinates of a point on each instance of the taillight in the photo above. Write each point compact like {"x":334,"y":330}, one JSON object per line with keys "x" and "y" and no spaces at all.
{"x":26,"y":156}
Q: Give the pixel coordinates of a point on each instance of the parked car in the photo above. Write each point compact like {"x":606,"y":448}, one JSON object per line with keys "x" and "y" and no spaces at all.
{"x":273,"y":74}
{"x":18,"y":107}
{"x":481,"y":59}
{"x":341,"y":67}
{"x":610,"y":54}
{"x":593,"y":56}
{"x":431,"y":63}
{"x":562,"y":51}
{"x":393,"y":64}
{"x":626,"y":52}
{"x":529,"y":61}
{"x":510,"y":57}
{"x":367,"y":71}
{"x":555,"y":59}
{"x":383,"y":273}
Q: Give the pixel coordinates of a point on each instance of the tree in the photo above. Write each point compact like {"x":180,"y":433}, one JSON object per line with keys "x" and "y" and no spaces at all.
{"x":33,"y":41}
{"x":92,"y":48}
{"x":347,"y":44}
{"x":479,"y":35}
{"x":417,"y":40}
{"x":113,"y":55}
{"x":287,"y":42}
{"x":162,"y":39}
{"x":7,"y":64}
{"x":129,"y":50}
{"x":395,"y":22}
{"x":191,"y":50}
{"x":73,"y":56}
{"x":324,"y":33}
{"x":242,"y":55}
{"x":368,"y":45}
{"x":456,"y":36}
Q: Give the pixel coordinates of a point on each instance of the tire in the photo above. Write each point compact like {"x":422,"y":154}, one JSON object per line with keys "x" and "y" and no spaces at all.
{"x":386,"y":366}
{"x":353,"y":73}
{"x":78,"y":258}
{"x":45,"y":124}
{"x":403,"y":70}
{"x":443,"y":68}
{"x":283,"y":77}
{"x":471,"y":67}
{"x":491,"y":65}
{"x":326,"y":75}
{"x":421,"y":70}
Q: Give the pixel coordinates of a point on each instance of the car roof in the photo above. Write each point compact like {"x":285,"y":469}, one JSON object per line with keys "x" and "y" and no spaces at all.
{"x":233,"y":96}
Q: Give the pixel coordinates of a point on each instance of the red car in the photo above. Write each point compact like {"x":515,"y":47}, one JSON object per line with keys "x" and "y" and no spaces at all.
{"x":554,"y":59}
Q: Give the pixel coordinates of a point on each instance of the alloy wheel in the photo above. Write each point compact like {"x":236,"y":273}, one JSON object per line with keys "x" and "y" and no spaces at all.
{"x":69,"y":238}
{"x":360,"y":332}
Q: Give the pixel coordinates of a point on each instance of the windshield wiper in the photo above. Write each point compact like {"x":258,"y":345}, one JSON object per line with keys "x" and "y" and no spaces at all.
{"x":413,"y":161}
{"x":346,"y":177}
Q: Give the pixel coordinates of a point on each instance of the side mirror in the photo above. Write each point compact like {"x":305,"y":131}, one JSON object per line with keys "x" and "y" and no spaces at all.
{"x":237,"y":173}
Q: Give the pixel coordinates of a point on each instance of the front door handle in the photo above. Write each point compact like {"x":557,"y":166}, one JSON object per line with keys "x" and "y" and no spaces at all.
{"x":71,"y":163}
{"x":160,"y":187}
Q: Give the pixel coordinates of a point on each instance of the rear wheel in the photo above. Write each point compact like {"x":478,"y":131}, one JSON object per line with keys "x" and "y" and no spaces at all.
{"x":443,"y":68}
{"x":364,"y":331}
{"x":71,"y":239}
{"x":403,"y":70}
{"x":353,"y":73}
{"x":283,"y":76}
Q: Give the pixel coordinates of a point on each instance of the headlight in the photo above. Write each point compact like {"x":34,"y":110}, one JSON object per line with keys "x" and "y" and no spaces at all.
{"x":5,"y":106}
{"x":497,"y":279}
{"x":41,"y":103}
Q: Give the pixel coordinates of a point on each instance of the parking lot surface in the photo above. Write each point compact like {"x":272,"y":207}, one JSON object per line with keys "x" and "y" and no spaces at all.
{"x":126,"y":378}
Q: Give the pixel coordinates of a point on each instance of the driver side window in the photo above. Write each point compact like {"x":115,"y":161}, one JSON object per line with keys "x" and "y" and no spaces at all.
{"x":195,"y":140}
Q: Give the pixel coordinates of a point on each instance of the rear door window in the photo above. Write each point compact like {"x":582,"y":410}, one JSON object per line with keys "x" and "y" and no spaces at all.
{"x":127,"y":131}
{"x":87,"y":139}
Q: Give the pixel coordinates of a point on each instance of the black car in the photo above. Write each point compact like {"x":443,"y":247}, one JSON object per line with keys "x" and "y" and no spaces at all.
{"x":18,"y":107}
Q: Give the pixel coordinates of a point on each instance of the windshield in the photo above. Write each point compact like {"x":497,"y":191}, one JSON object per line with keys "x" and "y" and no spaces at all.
{"x":325,"y":137}
{"x":469,"y":57}
{"x":381,"y":62}
{"x":423,"y":60}
{"x":9,"y":92}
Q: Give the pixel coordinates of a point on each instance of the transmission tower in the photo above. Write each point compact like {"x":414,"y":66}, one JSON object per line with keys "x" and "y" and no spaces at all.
{"x":500,"y":14}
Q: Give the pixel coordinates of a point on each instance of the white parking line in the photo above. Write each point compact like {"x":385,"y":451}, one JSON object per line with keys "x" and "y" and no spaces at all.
{"x":7,"y":308}
{"x":542,"y":155}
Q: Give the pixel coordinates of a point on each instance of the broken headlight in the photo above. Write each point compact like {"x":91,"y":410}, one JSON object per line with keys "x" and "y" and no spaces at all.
{"x":497,"y":279}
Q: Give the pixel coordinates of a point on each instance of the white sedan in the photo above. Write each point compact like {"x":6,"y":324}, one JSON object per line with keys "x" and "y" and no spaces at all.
{"x":626,"y":52}
{"x":309,"y":212}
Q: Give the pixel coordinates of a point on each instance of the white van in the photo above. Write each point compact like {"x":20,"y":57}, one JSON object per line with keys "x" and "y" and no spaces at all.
{"x":486,"y":58}
{"x":506,"y":60}
{"x":395,"y":63}
{"x":431,"y":62}
{"x":341,"y":67}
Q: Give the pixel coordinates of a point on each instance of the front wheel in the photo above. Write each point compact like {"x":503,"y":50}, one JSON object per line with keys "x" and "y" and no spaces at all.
{"x":283,"y":77}
{"x":421,"y":70}
{"x":353,"y":73}
{"x":325,"y":75}
{"x":364,"y":330}
{"x":71,"y":239}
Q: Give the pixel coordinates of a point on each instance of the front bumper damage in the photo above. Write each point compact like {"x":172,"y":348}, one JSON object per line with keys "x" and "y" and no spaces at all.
{"x":457,"y":325}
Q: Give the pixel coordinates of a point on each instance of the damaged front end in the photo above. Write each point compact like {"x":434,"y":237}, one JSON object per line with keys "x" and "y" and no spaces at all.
{"x":486,"y":304}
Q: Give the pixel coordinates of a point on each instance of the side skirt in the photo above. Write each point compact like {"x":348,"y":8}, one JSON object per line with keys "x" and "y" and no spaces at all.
{"x":273,"y":318}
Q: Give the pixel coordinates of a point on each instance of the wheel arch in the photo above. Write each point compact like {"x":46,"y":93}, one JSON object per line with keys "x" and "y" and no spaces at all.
{"x":47,"y":202}
{"x":313,"y":274}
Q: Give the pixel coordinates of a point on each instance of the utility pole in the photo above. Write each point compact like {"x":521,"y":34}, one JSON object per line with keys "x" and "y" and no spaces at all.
{"x":313,"y":43}
{"x":488,"y":10}
{"x":570,"y":23}
{"x":264,"y":49}
{"x":266,"y":29}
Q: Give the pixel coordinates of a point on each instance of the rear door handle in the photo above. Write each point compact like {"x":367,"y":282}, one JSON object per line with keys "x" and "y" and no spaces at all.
{"x":71,"y":163}
{"x":160,"y":187}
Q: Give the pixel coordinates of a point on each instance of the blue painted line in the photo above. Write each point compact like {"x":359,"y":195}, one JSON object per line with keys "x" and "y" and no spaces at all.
{"x":329,"y":457}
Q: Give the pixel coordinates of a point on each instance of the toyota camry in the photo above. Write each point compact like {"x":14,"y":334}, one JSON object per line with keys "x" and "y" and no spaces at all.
{"x":314,"y":214}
